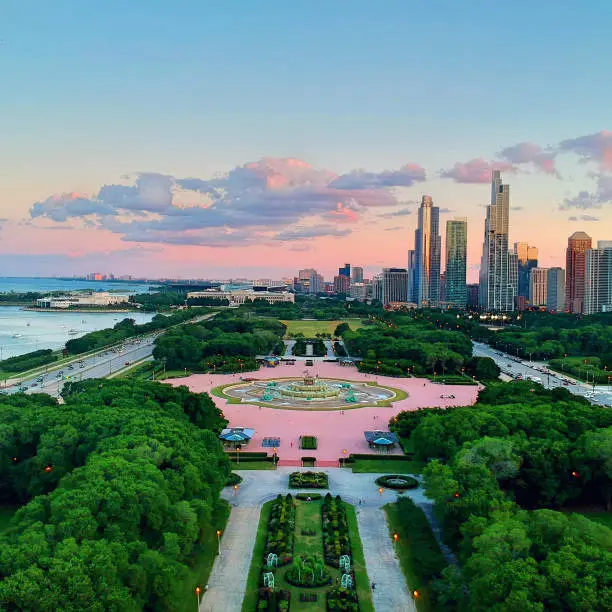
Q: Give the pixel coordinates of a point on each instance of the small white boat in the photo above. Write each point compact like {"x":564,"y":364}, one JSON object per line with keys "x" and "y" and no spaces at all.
{"x":73,"y":332}
{"x":17,"y":335}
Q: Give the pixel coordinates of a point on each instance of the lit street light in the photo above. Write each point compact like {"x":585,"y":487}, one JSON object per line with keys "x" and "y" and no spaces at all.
{"x":198,"y":590}
{"x":218,"y":541}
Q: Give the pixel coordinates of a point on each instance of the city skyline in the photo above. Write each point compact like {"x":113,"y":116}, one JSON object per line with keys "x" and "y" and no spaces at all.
{"x":256,"y":152}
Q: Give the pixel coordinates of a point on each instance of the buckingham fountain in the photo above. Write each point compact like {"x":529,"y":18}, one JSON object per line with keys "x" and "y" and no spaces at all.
{"x":309,"y":392}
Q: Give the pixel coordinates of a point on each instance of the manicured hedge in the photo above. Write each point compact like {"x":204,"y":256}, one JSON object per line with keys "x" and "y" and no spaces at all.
{"x":308,"y":442}
{"x":308,"y":571}
{"x":336,"y":540}
{"x":306,"y":496}
{"x":308,"y":480}
{"x":281,"y":529}
{"x":274,"y":600}
{"x":408,"y":482}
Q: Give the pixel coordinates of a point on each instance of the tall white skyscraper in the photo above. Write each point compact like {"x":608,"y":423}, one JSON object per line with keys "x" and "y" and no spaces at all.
{"x":496,"y":291}
{"x":427,"y":254}
{"x":555,"y":293}
{"x":598,"y":279}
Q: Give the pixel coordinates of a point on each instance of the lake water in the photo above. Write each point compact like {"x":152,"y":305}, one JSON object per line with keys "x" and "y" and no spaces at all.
{"x":22,"y":331}
{"x":24,"y":284}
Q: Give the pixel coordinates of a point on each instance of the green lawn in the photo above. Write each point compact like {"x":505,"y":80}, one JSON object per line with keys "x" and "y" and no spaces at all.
{"x":6,"y":514}
{"x":252,"y":465}
{"x":311,"y":328}
{"x":308,"y":516}
{"x":387,"y":466}
{"x":185,"y":597}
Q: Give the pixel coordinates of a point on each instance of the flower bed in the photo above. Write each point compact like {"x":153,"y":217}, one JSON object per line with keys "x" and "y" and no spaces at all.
{"x":281,"y":530}
{"x":308,"y":480}
{"x":308,"y":442}
{"x":308,"y":571}
{"x":336,"y":541}
{"x":342,"y":600}
{"x":274,"y":600}
{"x":399,"y":482}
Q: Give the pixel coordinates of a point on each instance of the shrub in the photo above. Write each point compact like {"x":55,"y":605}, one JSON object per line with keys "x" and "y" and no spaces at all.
{"x":308,"y":442}
{"x":308,"y":571}
{"x":308,"y":480}
{"x":399,"y":482}
{"x":281,"y":529}
{"x":233,"y":479}
{"x":344,"y":600}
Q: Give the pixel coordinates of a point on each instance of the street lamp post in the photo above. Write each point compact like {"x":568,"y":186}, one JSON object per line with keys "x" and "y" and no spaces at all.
{"x":274,"y":458}
{"x":218,"y":541}
{"x":344,"y":457}
{"x":238,"y":455}
{"x":198,"y":591}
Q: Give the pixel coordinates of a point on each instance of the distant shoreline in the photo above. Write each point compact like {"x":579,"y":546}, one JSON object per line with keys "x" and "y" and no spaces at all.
{"x":82,"y":310}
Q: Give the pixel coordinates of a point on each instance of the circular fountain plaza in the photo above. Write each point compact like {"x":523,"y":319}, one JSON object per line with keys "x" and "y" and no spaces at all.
{"x":309,"y":393}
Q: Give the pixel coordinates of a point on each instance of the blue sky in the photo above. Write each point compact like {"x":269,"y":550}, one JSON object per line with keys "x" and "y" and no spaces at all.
{"x":97,"y":91}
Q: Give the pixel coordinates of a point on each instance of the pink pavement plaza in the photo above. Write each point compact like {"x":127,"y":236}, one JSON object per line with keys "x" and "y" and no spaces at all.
{"x":336,"y":430}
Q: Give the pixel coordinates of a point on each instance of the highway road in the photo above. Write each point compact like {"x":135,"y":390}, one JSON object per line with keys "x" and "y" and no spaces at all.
{"x":538,"y":371}
{"x":99,"y":365}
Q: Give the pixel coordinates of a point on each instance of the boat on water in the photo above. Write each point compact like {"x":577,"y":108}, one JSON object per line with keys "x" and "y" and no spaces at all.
{"x":73,"y":332}
{"x":17,"y":335}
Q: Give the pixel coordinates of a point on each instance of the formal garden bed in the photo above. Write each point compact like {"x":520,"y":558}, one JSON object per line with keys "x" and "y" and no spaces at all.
{"x":398,"y":482}
{"x":308,"y":583}
{"x":308,"y":480}
{"x":308,"y":442}
{"x":336,"y":540}
{"x":281,"y":530}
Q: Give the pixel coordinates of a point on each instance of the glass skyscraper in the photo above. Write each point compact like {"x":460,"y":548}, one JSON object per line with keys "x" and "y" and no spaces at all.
{"x":496,"y":291}
{"x":427,"y":254}
{"x":456,"y":261}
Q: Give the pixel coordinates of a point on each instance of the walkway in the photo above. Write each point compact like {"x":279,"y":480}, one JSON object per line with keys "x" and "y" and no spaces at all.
{"x":228,"y":579}
{"x":227,"y":582}
{"x":391,"y":593}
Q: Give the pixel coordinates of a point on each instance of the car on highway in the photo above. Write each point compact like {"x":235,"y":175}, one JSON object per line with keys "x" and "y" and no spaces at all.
{"x":127,"y":363}
{"x":81,"y":365}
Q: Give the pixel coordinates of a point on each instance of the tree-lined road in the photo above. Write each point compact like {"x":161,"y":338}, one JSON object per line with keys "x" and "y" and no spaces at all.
{"x":513,"y":366}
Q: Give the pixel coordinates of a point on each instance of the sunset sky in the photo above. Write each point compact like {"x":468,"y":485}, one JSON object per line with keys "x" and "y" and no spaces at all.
{"x":216,"y":139}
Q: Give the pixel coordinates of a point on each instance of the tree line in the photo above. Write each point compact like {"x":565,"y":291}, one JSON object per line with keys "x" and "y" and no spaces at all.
{"x":119,"y":486}
{"x":499,"y":473}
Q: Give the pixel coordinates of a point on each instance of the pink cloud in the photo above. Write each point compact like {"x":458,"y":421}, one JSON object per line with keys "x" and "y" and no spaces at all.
{"x":595,"y":147}
{"x":476,"y":171}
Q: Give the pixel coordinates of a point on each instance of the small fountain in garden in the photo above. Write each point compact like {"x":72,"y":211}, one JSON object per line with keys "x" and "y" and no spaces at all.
{"x":347,"y":581}
{"x":269,"y":580}
{"x":272,"y":560}
{"x":345,"y":563}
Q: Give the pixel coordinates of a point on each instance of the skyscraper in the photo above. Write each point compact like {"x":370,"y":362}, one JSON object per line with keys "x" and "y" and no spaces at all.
{"x":598,"y":279}
{"x":411,"y":271}
{"x":527,"y":260}
{"x":575,"y":268}
{"x":538,"y":286}
{"x":496,"y":293}
{"x":394,"y":285}
{"x":345,"y":270}
{"x":555,"y":294}
{"x":309,"y":281}
{"x":342,"y":284}
{"x":427,"y":247}
{"x":357,"y":275}
{"x":456,"y":261}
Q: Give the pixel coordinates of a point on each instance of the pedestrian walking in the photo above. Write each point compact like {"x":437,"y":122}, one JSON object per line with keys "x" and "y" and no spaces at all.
{"x":373,"y":586}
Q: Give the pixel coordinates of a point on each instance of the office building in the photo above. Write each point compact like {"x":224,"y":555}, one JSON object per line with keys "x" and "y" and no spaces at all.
{"x":527,"y":261}
{"x":472,"y":295}
{"x":598,"y":279}
{"x":358,"y":291}
{"x":456,"y":262}
{"x":427,"y":247}
{"x":93,"y":299}
{"x":377,"y":287}
{"x":342,"y":284}
{"x":496,"y":291}
{"x":513,"y":274}
{"x":309,"y":281}
{"x":575,"y":269}
{"x":357,"y":275}
{"x":394,"y":286}
{"x":555,"y":293}
{"x":345,"y":270}
{"x":240,"y":296}
{"x":411,"y":270}
{"x":538,"y":286}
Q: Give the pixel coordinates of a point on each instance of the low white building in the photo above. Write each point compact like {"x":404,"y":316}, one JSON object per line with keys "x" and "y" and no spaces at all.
{"x":241,"y":296}
{"x":85,"y":300}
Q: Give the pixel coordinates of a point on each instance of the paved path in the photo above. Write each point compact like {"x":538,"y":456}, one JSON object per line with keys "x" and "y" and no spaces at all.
{"x":227,"y":582}
{"x":391,"y":593}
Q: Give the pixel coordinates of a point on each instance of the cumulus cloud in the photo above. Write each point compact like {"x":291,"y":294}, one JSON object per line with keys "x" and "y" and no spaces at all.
{"x":591,"y":148}
{"x":475,"y":171}
{"x":264,"y":196}
{"x":596,"y":199}
{"x":530,"y":153}
{"x":406,"y":176}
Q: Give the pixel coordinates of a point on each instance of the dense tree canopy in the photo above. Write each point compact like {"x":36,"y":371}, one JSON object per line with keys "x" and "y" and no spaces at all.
{"x":120,"y":485}
{"x":494,"y":470}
